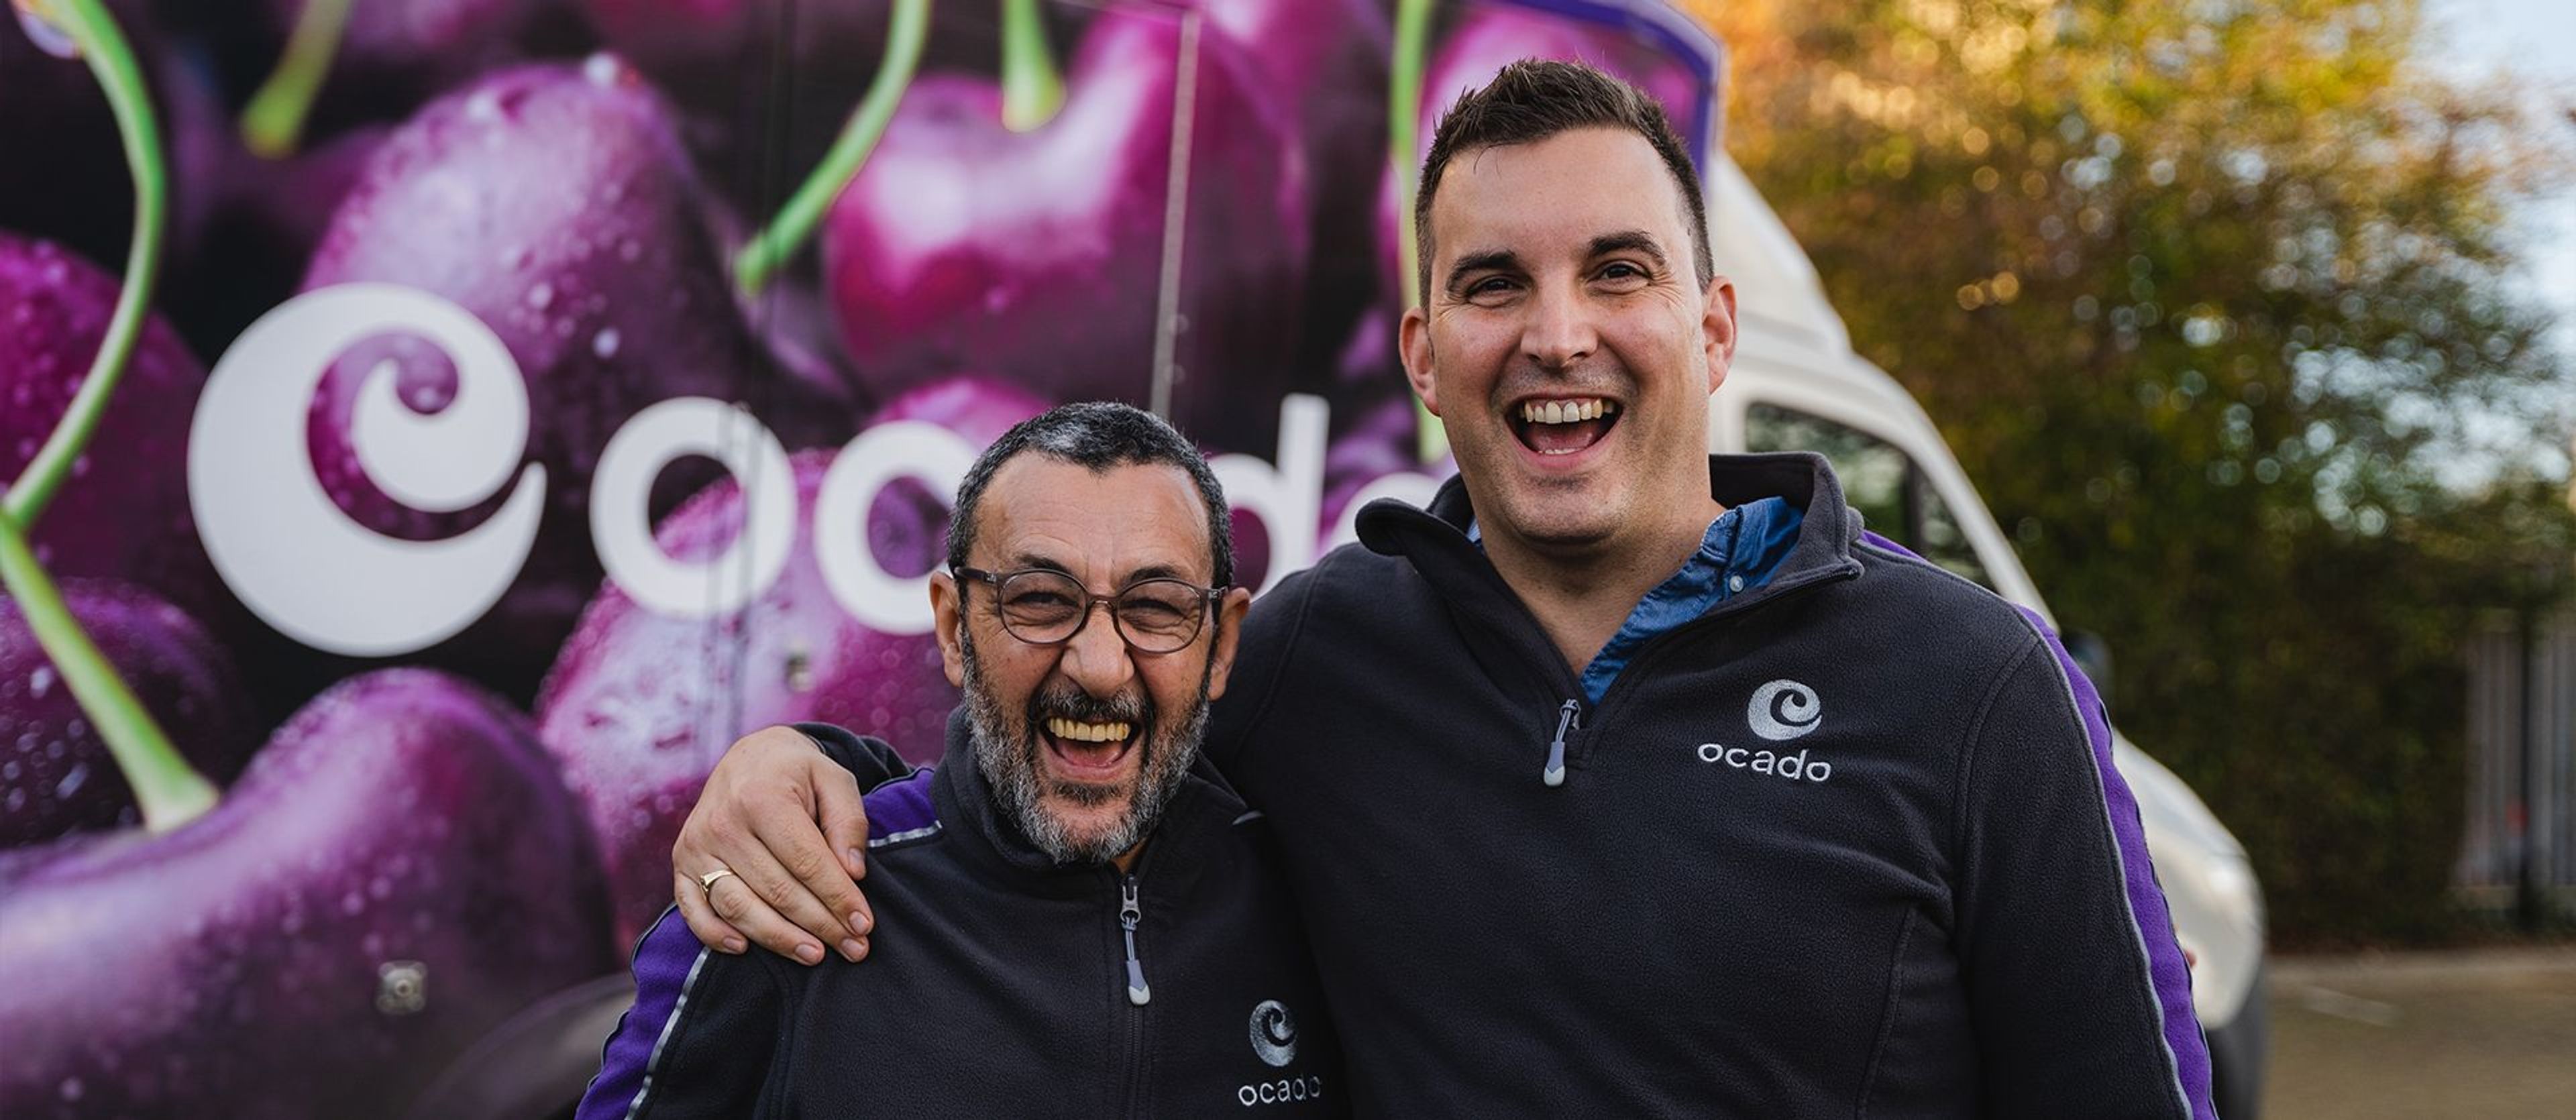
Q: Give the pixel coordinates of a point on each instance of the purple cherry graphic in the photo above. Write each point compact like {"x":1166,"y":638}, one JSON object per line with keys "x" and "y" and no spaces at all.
{"x":340,"y":62}
{"x":1326,"y":63}
{"x":640,"y":705}
{"x":56,"y":774}
{"x":1039,"y":256}
{"x":555,"y":204}
{"x":54,"y":311}
{"x":398,"y":870}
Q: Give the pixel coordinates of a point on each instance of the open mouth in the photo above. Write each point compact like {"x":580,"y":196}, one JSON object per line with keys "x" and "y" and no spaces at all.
{"x":1564,"y":426}
{"x":1088,"y":747}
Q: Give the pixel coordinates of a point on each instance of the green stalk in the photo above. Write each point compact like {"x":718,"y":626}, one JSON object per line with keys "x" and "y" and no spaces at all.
{"x":1032,"y":90}
{"x":169,"y":791}
{"x":1403,"y":138}
{"x":95,"y":33}
{"x":273,"y":123}
{"x":769,"y":251}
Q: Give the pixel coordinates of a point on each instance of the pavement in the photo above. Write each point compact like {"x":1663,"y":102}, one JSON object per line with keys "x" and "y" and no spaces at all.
{"x":2486,"y":1033}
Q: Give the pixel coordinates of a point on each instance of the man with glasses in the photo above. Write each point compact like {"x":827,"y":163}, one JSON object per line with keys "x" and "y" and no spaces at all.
{"x":1091,"y":921}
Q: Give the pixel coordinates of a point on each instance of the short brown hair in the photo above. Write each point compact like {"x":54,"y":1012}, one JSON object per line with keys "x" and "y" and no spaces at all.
{"x":1534,"y":99}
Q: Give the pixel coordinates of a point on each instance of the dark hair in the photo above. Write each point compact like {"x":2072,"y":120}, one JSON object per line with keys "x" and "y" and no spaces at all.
{"x":1534,"y":99}
{"x":1096,"y":435}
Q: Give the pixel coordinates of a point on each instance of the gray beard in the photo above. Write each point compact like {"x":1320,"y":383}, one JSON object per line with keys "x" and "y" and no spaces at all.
{"x":1006,"y":751}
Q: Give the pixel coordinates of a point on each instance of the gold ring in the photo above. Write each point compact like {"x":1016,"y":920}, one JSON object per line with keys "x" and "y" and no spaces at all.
{"x":707,"y":881}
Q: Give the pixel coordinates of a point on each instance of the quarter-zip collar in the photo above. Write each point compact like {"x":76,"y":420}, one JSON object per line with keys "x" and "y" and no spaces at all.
{"x":1435,"y":540}
{"x":987,"y":835}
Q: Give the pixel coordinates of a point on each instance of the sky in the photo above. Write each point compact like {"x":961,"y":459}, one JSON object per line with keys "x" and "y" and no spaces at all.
{"x":2535,"y":41}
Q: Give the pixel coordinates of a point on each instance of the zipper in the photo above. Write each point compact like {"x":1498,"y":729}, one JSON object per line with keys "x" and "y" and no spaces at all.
{"x":1554,"y":775}
{"x":1569,"y":715}
{"x":1130,"y":913}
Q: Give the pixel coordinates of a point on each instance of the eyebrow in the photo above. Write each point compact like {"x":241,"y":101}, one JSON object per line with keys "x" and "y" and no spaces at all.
{"x":1630,"y":241}
{"x":1489,"y":260}
{"x":1042,"y":562}
{"x":1020,"y":560}
{"x":1155,"y":571}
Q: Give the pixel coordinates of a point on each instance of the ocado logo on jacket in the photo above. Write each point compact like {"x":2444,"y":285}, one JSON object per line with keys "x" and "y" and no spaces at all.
{"x":1780,"y":711}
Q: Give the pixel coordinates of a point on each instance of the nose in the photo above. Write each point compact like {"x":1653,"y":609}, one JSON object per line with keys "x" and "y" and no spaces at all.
{"x":1097,"y":658}
{"x":1558,"y":331}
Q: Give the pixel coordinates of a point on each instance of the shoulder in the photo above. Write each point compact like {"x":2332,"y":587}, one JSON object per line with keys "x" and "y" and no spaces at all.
{"x":1975,"y":627}
{"x":902,"y":811}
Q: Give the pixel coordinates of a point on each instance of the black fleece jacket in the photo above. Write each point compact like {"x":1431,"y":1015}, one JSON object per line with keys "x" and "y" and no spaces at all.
{"x":1848,"y":844}
{"x":999,"y":983}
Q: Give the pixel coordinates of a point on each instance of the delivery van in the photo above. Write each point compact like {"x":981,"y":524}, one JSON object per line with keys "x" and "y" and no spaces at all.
{"x":479,"y":475}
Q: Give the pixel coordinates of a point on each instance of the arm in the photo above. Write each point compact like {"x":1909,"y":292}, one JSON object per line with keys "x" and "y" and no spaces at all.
{"x":698,"y":1041}
{"x":2077,"y":991}
{"x":787,"y":819}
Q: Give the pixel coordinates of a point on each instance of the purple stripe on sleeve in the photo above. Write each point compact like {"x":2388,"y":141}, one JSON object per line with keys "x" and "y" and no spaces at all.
{"x":1871,"y":537}
{"x":666,"y":967}
{"x":901,"y":808}
{"x":2148,"y":915}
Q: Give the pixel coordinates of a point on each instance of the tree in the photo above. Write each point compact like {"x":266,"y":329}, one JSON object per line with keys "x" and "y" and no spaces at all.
{"x":2212,"y":299}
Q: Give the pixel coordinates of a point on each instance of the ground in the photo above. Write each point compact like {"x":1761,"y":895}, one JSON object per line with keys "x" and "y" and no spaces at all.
{"x":2478,"y":1033}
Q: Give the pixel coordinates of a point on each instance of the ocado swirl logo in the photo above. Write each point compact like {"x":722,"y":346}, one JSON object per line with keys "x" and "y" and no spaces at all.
{"x":1783,"y":710}
{"x":1274,"y":1033}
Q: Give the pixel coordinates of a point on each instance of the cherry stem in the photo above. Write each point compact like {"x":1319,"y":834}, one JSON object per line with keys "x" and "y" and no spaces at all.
{"x":1032,"y":90}
{"x":1404,"y":137}
{"x":273,"y":123}
{"x":90,"y":28}
{"x":169,"y":791}
{"x":770,"y":250}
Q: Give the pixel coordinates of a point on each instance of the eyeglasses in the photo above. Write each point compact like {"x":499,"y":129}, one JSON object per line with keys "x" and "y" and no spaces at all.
{"x":1044,"y":607}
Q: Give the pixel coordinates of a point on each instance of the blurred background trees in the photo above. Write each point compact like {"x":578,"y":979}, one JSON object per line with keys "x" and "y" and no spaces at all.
{"x":2214,"y":299}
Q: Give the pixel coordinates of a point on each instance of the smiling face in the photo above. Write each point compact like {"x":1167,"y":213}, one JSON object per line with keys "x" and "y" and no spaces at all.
{"x":1084,"y":741}
{"x":1567,"y":345}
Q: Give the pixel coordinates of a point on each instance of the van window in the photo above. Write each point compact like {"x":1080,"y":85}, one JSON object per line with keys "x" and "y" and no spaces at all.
{"x":1895,"y":498}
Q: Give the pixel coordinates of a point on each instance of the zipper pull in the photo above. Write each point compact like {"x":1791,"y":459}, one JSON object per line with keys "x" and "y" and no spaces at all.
{"x":1129,"y":913}
{"x":1555,"y":774}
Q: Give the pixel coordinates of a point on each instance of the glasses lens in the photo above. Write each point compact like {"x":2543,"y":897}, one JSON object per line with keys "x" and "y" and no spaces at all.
{"x":1042,"y":606}
{"x":1160,"y":615}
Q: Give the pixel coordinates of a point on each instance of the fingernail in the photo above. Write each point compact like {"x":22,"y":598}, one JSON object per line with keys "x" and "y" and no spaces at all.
{"x":858,"y":859}
{"x":733,"y":945}
{"x":851,"y":948}
{"x":859,"y":922}
{"x":809,"y":953}
{"x":863,"y":947}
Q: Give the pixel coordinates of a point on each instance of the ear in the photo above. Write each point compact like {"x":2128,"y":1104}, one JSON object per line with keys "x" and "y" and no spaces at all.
{"x":1229,"y":631}
{"x":1413,"y":343}
{"x":1717,"y":329}
{"x":948,"y":623}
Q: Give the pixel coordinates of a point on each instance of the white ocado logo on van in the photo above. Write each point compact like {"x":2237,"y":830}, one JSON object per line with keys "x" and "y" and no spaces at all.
{"x":318,"y":576}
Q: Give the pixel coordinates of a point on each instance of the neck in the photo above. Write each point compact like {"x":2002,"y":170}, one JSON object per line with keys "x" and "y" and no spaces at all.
{"x":1582,"y":595}
{"x":1125,"y":861}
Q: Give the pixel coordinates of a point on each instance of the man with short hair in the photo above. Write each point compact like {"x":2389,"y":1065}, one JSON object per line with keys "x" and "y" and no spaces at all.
{"x":1630,"y":780}
{"x":1086,"y":921}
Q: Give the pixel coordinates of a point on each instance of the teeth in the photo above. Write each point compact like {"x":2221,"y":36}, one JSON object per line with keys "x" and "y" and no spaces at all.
{"x":1078,"y":731}
{"x":1565,"y":412}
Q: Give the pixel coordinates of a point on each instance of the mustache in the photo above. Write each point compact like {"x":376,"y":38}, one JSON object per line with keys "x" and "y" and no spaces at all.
{"x":1064,"y":699}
